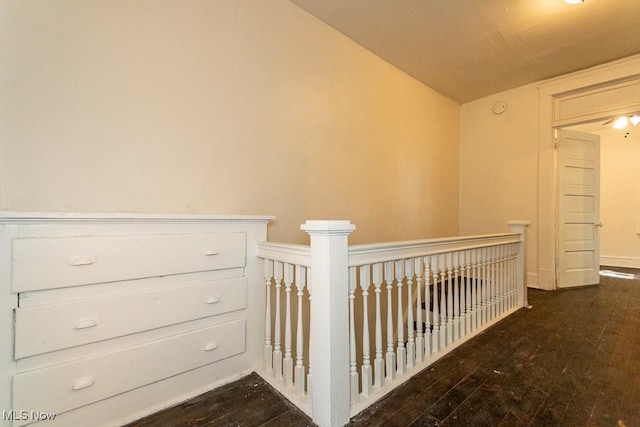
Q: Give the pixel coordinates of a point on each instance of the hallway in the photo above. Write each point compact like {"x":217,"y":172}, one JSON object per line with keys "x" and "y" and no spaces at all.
{"x":573,"y":359}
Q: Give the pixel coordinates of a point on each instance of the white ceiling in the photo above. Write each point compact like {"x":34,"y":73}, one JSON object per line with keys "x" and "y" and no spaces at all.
{"x":468,"y":49}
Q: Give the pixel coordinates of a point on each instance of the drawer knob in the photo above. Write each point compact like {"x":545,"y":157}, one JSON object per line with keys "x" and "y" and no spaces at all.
{"x":86,"y":323}
{"x":82,"y":383}
{"x":211,"y":346}
{"x":213,"y":300}
{"x":211,"y":252}
{"x":82,"y":260}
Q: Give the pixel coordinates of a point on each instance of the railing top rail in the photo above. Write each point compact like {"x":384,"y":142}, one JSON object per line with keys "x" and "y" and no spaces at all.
{"x":391,"y":251}
{"x":386,"y":251}
{"x":285,"y":252}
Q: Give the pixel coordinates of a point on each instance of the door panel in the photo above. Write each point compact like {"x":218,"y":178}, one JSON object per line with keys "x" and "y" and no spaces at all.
{"x":578,"y":261}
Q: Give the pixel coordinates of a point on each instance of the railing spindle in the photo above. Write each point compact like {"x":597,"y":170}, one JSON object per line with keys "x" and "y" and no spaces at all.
{"x":456,"y":297}
{"x":378,"y":363}
{"x":449,"y":267}
{"x":390,"y":356}
{"x":496,"y":267}
{"x":475,"y":324}
{"x":311,"y":349}
{"x":365,"y":283}
{"x":353,"y":368}
{"x":268,"y":348}
{"x":277,"y":351}
{"x":489,"y":286}
{"x":514,"y":289}
{"x":463,"y":294}
{"x":468,"y":284}
{"x":428,"y":339}
{"x":509,"y":280}
{"x":500,"y":308}
{"x":418,"y":269}
{"x":287,"y":362}
{"x":444,"y":323}
{"x":437,"y":324}
{"x":503,"y":279}
{"x":401,"y":351}
{"x":411,"y":344}
{"x":493,"y":267}
{"x":485,"y":285}
{"x":299,"y":374}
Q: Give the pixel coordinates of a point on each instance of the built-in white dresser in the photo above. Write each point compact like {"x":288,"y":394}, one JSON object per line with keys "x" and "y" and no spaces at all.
{"x":108,"y":318}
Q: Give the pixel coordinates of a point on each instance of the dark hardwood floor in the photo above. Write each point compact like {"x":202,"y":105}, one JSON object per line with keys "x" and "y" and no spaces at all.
{"x":571,"y":360}
{"x":249,"y":401}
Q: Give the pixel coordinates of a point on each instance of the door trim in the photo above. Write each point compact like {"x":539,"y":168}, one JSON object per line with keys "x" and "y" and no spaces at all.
{"x":549,"y":92}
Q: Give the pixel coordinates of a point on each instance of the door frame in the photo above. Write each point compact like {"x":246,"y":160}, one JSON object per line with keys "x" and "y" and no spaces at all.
{"x":592,"y":82}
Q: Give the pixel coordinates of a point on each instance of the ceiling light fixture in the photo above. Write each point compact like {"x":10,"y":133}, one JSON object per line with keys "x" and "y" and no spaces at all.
{"x":621,"y":123}
{"x":574,"y":1}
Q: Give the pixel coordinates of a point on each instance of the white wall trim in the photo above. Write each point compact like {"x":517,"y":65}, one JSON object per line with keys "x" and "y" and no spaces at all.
{"x":589,"y":77}
{"x":10,"y":217}
{"x":614,"y":261}
{"x":532,"y":280}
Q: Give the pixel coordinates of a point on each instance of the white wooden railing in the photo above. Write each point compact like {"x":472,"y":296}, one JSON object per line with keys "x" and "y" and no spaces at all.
{"x":344,"y":325}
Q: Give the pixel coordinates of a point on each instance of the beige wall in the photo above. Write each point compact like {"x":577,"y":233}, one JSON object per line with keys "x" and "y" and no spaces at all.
{"x":620,"y":197}
{"x":499,"y":166}
{"x":223,"y":107}
{"x":507,"y":168}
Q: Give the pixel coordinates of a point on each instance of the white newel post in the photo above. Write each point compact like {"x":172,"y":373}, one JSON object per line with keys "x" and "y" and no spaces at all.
{"x":329,"y":328}
{"x":518,"y":226}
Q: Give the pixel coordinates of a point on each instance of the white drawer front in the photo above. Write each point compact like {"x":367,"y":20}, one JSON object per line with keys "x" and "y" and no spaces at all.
{"x":56,"y":262}
{"x":45,"y":328}
{"x":70,"y":385}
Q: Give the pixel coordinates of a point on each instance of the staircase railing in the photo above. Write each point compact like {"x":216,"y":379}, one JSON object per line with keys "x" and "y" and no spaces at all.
{"x":344,"y":325}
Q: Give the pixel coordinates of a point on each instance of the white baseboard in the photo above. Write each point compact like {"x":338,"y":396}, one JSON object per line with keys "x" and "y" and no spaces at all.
{"x":542,"y":280}
{"x":620,"y":261}
{"x":532,"y":280}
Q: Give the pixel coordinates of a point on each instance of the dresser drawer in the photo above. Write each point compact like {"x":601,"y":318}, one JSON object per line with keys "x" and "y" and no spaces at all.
{"x":55,"y":262}
{"x":63,"y":387}
{"x":50,"y":327}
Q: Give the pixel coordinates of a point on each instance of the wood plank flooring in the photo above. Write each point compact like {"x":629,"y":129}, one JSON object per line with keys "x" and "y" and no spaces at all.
{"x":250,"y":401}
{"x":571,"y":360}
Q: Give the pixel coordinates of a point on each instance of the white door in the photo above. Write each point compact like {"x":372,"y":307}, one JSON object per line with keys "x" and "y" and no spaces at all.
{"x":579,"y":224}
